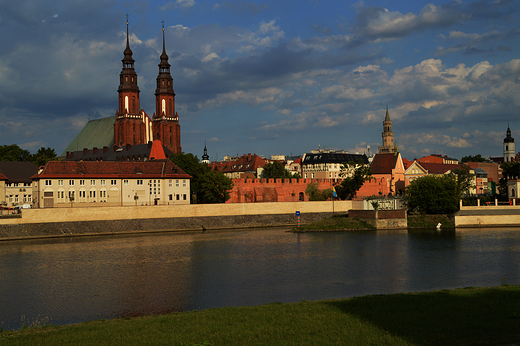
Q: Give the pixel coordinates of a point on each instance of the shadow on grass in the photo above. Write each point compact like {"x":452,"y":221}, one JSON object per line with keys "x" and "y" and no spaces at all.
{"x":489,"y":316}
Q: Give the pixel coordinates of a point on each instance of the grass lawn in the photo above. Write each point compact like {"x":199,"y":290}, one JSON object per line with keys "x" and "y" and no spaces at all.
{"x":471,"y":316}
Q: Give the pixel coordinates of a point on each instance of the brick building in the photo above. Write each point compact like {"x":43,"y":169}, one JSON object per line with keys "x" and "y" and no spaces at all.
{"x":131,"y":125}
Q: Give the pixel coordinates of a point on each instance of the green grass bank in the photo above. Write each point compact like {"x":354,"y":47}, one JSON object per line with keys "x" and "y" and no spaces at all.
{"x":470,"y":316}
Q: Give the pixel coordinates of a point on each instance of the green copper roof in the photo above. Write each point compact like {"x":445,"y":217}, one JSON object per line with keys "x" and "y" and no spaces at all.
{"x":97,"y":133}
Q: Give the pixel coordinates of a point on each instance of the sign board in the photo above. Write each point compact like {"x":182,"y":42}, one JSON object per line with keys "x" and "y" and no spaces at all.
{"x":298,"y":213}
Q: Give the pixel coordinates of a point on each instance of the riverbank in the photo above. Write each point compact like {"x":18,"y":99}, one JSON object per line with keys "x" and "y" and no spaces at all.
{"x":341,"y":222}
{"x":470,"y":316}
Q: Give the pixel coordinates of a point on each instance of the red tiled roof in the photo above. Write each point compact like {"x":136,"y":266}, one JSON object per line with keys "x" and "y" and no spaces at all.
{"x":3,"y":177}
{"x":111,"y":169}
{"x":383,"y":163}
{"x":245,"y":163}
{"x":157,"y":151}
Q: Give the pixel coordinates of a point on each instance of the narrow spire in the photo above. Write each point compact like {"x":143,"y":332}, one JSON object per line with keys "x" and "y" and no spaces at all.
{"x":128,"y":61}
{"x":387,"y":117}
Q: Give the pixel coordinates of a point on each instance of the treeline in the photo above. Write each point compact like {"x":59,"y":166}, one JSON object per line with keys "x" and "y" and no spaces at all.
{"x":14,"y":153}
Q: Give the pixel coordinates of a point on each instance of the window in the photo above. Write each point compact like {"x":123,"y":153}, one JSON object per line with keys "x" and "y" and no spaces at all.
{"x":176,"y":183}
{"x":102,"y":182}
{"x":170,"y":197}
{"x":71,"y":194}
{"x":113,"y":182}
{"x":10,"y":198}
{"x":16,"y":199}
{"x":184,"y":183}
{"x":126,"y":182}
{"x":92,"y":193}
{"x":71,"y":182}
{"x":177,"y":197}
{"x":92,"y":182}
{"x":48,"y":182}
{"x":139,"y":181}
{"x":82,"y":182}
{"x":60,"y":182}
{"x":184,"y":197}
{"x":170,"y":183}
{"x":25,"y":198}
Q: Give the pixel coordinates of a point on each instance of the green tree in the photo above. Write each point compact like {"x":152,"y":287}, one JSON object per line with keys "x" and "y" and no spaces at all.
{"x":434,"y":194}
{"x":13,"y":153}
{"x":277,"y":170}
{"x":476,"y":158}
{"x":354,"y":176}
{"x":206,"y":185}
{"x":510,"y":170}
{"x":465,"y":180}
{"x":315,"y":194}
{"x":42,"y":156}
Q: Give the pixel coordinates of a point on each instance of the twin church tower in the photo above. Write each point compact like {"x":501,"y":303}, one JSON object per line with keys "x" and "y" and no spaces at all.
{"x":132,"y":125}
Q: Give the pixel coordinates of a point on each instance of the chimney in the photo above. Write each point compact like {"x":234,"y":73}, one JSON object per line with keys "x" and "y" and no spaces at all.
{"x":249,"y":157}
{"x":94,"y":150}
{"x":67,"y":155}
{"x":105,"y":149}
{"x":85,"y":151}
{"x":128,"y":146}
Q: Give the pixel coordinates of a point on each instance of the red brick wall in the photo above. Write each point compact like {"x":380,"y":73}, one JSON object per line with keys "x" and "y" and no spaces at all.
{"x":274,"y":190}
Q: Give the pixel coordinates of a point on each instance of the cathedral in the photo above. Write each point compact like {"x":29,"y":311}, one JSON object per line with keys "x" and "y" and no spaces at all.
{"x":131,"y":126}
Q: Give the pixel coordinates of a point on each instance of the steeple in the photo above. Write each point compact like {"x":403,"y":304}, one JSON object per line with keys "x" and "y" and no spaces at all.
{"x":128,"y":89}
{"x":205,"y":156}
{"x":388,"y":135}
{"x":509,"y":146}
{"x":165,"y":120}
{"x":132,"y":125}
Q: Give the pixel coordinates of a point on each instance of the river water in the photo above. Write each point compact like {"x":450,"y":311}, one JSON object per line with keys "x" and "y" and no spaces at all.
{"x":62,"y":281}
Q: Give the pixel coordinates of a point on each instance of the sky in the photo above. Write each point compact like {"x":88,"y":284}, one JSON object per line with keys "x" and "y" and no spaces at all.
{"x":270,"y":77}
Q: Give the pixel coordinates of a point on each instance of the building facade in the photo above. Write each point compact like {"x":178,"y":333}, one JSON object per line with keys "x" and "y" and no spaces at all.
{"x":105,"y":183}
{"x":326,"y":164}
{"x":15,"y":182}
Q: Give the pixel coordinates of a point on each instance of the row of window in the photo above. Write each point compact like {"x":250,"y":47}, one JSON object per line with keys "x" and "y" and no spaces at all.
{"x":17,"y":184}
{"x":113,"y":182}
{"x":16,"y":198}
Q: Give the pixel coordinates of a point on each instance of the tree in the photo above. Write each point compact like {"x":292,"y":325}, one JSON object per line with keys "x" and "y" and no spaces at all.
{"x":465,"y":180}
{"x":510,"y":170}
{"x":434,"y":194}
{"x":354,"y":176}
{"x":277,"y":170}
{"x":42,"y":156}
{"x":13,"y":153}
{"x":206,"y":185}
{"x":476,"y":158}
{"x":315,"y":194}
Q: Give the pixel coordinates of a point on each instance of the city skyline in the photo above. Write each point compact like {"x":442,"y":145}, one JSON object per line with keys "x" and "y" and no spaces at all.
{"x":270,"y":77}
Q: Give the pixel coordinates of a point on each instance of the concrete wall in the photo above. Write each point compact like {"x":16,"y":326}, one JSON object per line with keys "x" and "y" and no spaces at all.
{"x":488,"y":216}
{"x":52,"y":215}
{"x":382,"y":219}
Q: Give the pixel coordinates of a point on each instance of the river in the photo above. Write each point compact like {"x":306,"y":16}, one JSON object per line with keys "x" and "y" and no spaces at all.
{"x":70,"y":280}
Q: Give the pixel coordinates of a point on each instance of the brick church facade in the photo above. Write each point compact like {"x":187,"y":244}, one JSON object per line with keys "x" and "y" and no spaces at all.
{"x":132,"y":125}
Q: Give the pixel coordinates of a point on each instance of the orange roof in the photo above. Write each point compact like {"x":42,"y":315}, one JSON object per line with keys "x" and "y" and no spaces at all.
{"x":383,"y":163}
{"x":157,"y":151}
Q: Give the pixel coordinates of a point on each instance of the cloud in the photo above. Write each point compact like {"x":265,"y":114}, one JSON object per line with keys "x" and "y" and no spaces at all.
{"x":243,"y":6}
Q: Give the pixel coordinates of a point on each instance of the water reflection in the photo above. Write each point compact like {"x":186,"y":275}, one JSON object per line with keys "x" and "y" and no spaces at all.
{"x":79,"y":279}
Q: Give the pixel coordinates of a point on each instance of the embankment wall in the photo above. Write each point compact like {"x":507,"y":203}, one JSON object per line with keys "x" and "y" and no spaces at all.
{"x":487,"y":216}
{"x":54,"y":222}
